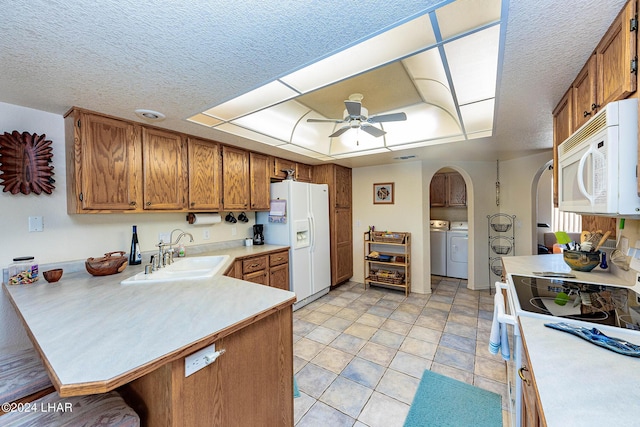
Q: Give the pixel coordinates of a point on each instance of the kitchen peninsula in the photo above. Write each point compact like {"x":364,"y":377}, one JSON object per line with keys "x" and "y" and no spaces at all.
{"x":96,"y":335}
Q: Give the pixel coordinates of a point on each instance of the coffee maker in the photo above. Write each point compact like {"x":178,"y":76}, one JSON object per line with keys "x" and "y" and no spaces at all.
{"x":258,"y":236}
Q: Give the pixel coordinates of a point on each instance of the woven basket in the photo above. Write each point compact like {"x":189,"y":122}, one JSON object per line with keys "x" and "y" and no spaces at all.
{"x":388,"y":237}
{"x":385,"y":276}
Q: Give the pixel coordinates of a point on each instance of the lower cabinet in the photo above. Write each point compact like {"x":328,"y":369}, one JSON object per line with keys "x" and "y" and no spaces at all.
{"x":531,"y":410}
{"x":250,"y":384}
{"x":269,"y":269}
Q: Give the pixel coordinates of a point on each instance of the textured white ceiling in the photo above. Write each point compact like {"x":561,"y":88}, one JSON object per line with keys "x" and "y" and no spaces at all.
{"x":180,"y":57}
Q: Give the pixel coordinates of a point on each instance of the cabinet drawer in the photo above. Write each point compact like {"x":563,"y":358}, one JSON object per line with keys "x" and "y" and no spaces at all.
{"x":254,"y":264}
{"x":279,"y":258}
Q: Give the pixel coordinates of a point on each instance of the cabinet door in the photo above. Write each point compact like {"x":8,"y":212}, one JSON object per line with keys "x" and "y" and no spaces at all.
{"x":303,"y":172}
{"x":585,"y":102}
{"x":279,"y":276}
{"x":234,"y":270}
{"x":235,"y":178}
{"x":343,"y":260}
{"x":107,"y":164}
{"x":457,"y":190}
{"x":259,"y":181}
{"x":280,"y":165}
{"x":342,"y":178}
{"x":204,"y":174}
{"x":438,"y":190}
{"x":164,"y":164}
{"x":562,"y":129}
{"x":260,"y":277}
{"x":614,"y":55}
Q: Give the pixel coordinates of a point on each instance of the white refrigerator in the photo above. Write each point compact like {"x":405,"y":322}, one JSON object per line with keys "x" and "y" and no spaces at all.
{"x":303,"y":225}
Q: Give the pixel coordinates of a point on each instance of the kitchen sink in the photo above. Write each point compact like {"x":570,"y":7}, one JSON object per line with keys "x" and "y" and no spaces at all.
{"x":192,"y":268}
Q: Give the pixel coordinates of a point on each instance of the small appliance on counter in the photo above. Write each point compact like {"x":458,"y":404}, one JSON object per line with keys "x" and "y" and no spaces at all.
{"x":258,"y":234}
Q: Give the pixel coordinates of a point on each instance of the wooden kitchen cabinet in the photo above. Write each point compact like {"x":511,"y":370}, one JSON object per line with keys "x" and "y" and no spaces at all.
{"x":269,"y":269}
{"x":532,"y":415}
{"x":235,"y":178}
{"x":164,"y":166}
{"x":304,"y":173}
{"x":205,"y":183}
{"x":250,"y":384}
{"x":103,"y":157}
{"x":259,"y":181}
{"x":278,"y":166}
{"x":610,"y":74}
{"x":448,"y":190}
{"x":340,"y":219}
{"x":562,"y":129}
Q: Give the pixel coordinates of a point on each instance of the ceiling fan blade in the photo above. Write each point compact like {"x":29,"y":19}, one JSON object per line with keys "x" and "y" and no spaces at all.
{"x":339,"y":132}
{"x":353,"y":108}
{"x":394,"y":117}
{"x":372,"y":130}
{"x":324,"y":121}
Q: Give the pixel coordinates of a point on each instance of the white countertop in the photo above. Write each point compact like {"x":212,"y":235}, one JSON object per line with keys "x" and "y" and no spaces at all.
{"x":94,"y":330}
{"x":579,"y":383}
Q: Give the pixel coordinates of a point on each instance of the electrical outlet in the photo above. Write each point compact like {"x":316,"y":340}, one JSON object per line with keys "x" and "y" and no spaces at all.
{"x":165,"y":237}
{"x":206,"y":235}
{"x":200,"y":359}
{"x":234,"y":230}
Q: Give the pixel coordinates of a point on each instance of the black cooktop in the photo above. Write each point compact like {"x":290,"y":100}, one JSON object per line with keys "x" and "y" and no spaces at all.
{"x":607,"y":305}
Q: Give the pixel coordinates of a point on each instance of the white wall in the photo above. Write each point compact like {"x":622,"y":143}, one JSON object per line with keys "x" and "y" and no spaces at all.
{"x":74,"y":237}
{"x":518,"y":189}
{"x":406,"y":214}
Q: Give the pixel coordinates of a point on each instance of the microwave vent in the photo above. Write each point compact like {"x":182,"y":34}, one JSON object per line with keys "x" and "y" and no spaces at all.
{"x":593,"y":126}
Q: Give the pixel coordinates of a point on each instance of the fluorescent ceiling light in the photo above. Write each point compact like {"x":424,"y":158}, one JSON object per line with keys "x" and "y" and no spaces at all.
{"x":444,"y":81}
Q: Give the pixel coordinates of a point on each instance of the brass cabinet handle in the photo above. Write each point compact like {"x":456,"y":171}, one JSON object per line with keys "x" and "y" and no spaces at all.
{"x":132,"y":203}
{"x":254,"y":265}
{"x":148,"y":203}
{"x":521,"y":375}
{"x":594,"y":106}
{"x":586,"y":113}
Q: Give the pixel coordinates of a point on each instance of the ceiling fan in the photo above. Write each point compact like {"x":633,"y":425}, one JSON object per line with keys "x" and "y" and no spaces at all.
{"x":356,"y":117}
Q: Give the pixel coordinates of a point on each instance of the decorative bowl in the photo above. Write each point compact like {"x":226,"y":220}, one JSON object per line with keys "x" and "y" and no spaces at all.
{"x":581,"y":261}
{"x":53,"y":275}
{"x":106,"y":265}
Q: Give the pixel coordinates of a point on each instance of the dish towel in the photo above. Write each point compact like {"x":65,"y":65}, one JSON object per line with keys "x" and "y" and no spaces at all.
{"x":499,"y":338}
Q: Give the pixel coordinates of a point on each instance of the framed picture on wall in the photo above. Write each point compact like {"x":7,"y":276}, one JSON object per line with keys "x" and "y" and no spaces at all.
{"x":383,"y":193}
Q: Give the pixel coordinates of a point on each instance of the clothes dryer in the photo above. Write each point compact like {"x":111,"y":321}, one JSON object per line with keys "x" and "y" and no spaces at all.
{"x":458,"y":250}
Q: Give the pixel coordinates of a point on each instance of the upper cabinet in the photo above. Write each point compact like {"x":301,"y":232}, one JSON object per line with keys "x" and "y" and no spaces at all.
{"x":259,"y":181}
{"x":448,"y":190}
{"x":279,"y":166}
{"x":610,"y":74}
{"x":235,"y":178}
{"x":102,"y":155}
{"x":205,"y":183}
{"x":342,"y":187}
{"x":164,"y":160}
{"x":304,"y":172}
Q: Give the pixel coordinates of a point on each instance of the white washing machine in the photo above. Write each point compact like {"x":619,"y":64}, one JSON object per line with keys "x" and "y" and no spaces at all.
{"x":458,"y":250}
{"x":439,"y":230}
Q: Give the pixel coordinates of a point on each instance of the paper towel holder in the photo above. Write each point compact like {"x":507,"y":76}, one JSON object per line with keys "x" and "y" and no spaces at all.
{"x":191,"y":217}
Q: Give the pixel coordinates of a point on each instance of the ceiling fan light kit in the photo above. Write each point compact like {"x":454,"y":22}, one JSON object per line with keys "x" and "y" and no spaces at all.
{"x":357,"y":117}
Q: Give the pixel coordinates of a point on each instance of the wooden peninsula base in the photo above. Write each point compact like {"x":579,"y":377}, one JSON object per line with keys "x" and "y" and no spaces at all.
{"x":251,"y":384}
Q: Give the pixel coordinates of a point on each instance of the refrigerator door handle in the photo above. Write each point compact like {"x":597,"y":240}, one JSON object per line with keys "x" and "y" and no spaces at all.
{"x":312,"y":234}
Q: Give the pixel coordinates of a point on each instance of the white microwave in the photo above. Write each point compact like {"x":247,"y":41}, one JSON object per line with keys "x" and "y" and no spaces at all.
{"x":598,"y":164}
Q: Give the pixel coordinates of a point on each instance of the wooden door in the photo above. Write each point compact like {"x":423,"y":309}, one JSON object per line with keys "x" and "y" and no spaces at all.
{"x":204,"y":175}
{"x":164,"y":164}
{"x":259,"y":181}
{"x":260,"y":277}
{"x":342,"y":178}
{"x":585,"y":97}
{"x":235,"y":178}
{"x":279,"y":276}
{"x":343,"y":261}
{"x":457,"y":190}
{"x":303,"y":172}
{"x":279,"y":166}
{"x":562,"y":129}
{"x":438,"y":191}
{"x":614,"y":56}
{"x":107,"y":165}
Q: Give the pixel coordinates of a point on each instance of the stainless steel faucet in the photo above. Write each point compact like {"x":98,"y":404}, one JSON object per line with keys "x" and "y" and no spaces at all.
{"x":182,"y":234}
{"x":165,"y":257}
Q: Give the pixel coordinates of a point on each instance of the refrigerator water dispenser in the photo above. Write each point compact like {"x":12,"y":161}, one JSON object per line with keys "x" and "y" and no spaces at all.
{"x":302,"y":233}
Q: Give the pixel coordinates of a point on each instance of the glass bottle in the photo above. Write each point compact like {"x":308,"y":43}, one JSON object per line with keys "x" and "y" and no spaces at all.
{"x":135,"y":256}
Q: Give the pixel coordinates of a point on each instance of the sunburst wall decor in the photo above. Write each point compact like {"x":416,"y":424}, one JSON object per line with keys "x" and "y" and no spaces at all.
{"x":25,"y":163}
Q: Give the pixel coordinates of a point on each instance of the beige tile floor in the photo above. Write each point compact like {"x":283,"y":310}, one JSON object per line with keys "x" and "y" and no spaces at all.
{"x":359,"y":355}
